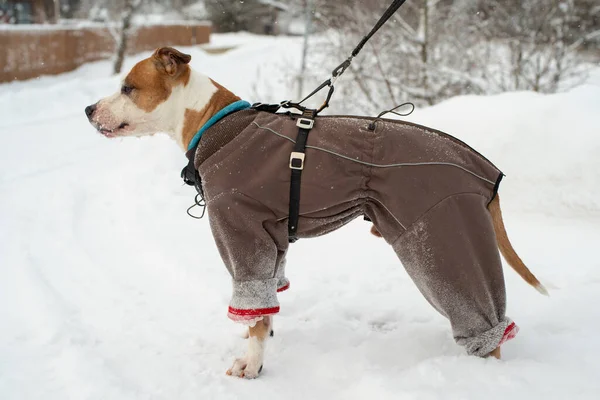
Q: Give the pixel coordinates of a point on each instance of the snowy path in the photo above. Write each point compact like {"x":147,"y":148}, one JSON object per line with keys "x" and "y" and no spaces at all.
{"x":109,"y":291}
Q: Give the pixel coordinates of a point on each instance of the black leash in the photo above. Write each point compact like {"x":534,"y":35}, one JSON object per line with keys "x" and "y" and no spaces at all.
{"x":337,"y":71}
{"x":386,"y":15}
{"x":340,"y":69}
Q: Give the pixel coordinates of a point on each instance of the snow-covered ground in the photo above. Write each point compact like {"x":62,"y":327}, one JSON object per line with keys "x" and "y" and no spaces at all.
{"x":108,"y":290}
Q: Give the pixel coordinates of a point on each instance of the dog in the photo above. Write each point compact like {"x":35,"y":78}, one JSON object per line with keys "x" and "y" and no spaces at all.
{"x":433,"y":198}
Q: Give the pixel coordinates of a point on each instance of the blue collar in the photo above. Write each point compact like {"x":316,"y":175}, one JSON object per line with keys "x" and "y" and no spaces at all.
{"x":237,"y":106}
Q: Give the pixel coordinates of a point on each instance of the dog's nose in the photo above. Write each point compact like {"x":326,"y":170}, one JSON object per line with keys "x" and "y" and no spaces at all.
{"x":89,"y":110}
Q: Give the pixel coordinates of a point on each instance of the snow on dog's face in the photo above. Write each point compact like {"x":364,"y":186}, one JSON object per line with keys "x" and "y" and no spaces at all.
{"x":141,"y":107}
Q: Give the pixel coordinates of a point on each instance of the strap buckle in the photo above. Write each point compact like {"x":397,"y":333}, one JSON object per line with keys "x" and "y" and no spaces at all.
{"x":305,"y":123}
{"x":340,"y":69}
{"x":297,"y":160}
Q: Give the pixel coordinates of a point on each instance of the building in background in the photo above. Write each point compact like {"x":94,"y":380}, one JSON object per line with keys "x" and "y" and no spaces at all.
{"x":266,"y":17}
{"x":267,"y":21}
{"x":27,"y":11}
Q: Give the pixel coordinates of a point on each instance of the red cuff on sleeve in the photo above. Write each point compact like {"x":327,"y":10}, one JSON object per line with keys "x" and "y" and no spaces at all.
{"x":509,"y":333}
{"x":284,"y":288}
{"x":257,"y":312}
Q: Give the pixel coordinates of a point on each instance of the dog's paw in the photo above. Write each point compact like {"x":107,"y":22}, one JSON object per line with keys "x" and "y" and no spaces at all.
{"x":244,"y":368}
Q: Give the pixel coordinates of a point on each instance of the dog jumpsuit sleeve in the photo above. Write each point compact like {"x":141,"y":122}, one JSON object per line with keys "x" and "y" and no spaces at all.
{"x":451,"y":254}
{"x":247,"y":237}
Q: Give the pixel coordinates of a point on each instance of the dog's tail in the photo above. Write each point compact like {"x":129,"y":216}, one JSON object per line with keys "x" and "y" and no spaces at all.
{"x":374,"y":231}
{"x":506,"y":249}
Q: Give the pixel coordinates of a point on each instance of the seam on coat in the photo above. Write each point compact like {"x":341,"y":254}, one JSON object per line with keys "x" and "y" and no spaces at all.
{"x":378,"y":165}
{"x":420,"y":217}
{"x":306,"y":213}
{"x":412,"y":124}
{"x":323,"y":209}
{"x":275,"y":132}
{"x":370,"y":139}
{"x":392,"y":214}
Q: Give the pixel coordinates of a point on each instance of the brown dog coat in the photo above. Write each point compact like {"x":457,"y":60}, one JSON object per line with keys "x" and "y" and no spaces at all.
{"x":425,"y":191}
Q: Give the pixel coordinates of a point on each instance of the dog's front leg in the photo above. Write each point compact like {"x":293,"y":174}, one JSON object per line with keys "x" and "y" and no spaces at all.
{"x":251,"y":364}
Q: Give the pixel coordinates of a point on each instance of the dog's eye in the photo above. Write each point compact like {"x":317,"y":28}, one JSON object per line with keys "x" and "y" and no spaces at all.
{"x":126,"y":89}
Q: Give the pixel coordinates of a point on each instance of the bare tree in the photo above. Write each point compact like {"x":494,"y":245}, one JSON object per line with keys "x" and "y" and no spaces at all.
{"x":130,"y":8}
{"x":541,"y":41}
{"x":56,"y":14}
{"x":413,"y":57}
{"x":434,"y":49}
{"x":118,"y":17}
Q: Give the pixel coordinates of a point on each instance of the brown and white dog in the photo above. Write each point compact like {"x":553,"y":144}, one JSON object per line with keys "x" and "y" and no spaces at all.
{"x":160,"y":94}
{"x":163,"y":94}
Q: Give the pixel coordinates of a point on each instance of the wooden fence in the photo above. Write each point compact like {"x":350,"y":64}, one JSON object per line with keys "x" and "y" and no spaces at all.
{"x":33,"y":50}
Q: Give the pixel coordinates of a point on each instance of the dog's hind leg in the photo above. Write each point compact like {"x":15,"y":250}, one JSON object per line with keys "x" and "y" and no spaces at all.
{"x":450,"y":253}
{"x":251,"y":364}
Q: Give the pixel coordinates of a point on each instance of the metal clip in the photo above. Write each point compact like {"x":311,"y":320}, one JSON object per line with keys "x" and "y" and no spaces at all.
{"x":297,"y":160}
{"x":305,"y":123}
{"x":340,"y":69}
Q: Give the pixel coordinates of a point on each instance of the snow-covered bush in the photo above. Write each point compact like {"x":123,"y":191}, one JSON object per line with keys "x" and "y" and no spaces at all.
{"x":431,"y":50}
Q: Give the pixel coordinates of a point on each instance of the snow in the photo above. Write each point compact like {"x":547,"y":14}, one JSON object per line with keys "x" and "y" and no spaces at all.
{"x":536,"y":140}
{"x":108,"y":290}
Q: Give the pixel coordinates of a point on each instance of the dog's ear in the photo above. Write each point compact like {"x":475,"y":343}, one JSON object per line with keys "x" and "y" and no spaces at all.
{"x":171,"y":60}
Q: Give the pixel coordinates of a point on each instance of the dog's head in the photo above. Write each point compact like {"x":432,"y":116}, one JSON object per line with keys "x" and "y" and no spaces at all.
{"x":141,"y":106}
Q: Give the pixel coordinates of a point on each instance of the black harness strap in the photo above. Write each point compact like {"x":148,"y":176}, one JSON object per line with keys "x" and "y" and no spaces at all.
{"x":190,"y":174}
{"x":272,"y":108}
{"x":306,"y":121}
{"x":305,"y":124}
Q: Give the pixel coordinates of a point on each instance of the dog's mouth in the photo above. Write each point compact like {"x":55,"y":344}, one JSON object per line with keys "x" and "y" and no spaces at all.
{"x":111,"y":132}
